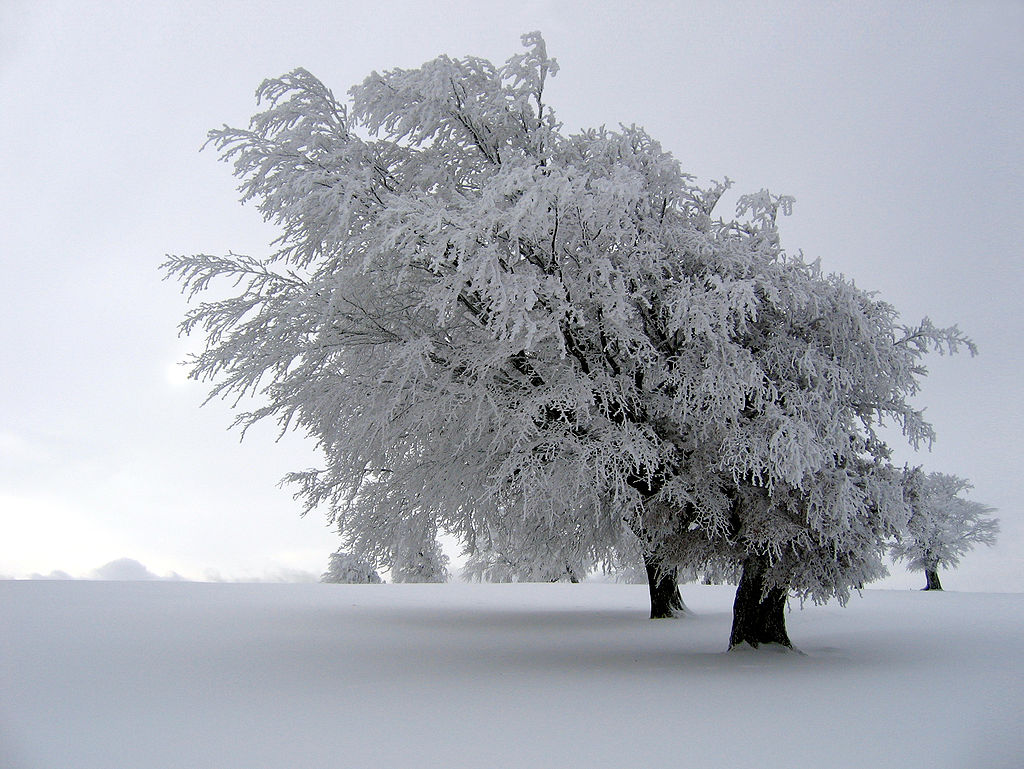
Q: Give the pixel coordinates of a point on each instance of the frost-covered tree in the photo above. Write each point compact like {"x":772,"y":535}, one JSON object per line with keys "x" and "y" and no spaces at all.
{"x":943,"y":526}
{"x":415,"y":554}
{"x":346,"y":568}
{"x":514,"y":550}
{"x":547,"y":340}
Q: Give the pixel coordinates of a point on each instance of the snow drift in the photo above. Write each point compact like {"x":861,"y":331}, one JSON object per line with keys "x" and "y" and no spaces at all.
{"x":174,"y":674}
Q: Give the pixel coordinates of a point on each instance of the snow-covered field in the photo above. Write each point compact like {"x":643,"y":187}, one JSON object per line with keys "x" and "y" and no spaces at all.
{"x":169,"y":675}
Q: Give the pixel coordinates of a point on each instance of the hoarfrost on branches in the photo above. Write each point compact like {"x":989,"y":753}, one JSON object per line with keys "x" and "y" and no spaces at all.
{"x":416,"y":555}
{"x":547,"y":344}
{"x":943,"y":525}
{"x":349,"y":569}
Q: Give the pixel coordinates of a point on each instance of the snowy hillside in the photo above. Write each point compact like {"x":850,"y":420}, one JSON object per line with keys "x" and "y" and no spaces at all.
{"x":169,"y":675}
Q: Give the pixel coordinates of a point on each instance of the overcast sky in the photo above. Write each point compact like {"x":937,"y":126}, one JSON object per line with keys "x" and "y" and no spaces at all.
{"x":897,"y":127}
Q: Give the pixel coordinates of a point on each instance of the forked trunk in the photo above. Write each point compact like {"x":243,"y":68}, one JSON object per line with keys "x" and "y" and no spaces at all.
{"x":758,"y":616}
{"x":932,"y":578}
{"x":666,"y":602}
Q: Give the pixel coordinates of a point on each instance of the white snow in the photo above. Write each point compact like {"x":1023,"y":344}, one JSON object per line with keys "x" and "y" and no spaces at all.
{"x":140,"y":675}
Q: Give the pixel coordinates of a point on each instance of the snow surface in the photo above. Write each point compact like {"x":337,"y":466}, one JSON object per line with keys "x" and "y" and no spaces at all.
{"x":133,"y":675}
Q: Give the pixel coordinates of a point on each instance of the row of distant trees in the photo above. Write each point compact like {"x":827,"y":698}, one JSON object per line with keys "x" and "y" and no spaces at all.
{"x":551,"y":346}
{"x":942,"y":527}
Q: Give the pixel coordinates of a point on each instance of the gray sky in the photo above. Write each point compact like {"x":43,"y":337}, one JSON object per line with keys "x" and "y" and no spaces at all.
{"x":897,"y":127}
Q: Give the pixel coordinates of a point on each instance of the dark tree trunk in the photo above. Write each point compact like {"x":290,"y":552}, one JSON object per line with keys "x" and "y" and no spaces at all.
{"x":666,"y":602}
{"x":758,"y":617}
{"x":932,"y":578}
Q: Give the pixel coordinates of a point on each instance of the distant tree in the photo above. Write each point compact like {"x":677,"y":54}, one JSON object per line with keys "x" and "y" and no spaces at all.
{"x":943,"y":526}
{"x":402,"y":542}
{"x":416,"y":555}
{"x":512,"y":552}
{"x":495,"y":329}
{"x":346,"y":568}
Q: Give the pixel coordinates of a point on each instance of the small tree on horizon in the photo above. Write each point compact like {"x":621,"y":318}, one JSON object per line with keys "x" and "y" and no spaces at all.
{"x":943,"y":526}
{"x":415,"y":553}
{"x":349,"y":569}
{"x":514,"y":550}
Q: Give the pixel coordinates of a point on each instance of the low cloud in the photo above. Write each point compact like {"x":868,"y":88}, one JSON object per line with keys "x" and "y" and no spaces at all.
{"x":120,"y":570}
{"x":127,"y":570}
{"x":130,"y":570}
{"x":52,"y":575}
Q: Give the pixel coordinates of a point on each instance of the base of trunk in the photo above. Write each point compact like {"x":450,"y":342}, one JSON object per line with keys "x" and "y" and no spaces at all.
{"x":758,"y":616}
{"x":932,"y":578}
{"x":666,"y":602}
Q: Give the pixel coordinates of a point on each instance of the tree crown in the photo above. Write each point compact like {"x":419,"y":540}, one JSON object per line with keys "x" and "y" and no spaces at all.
{"x":493,"y":326}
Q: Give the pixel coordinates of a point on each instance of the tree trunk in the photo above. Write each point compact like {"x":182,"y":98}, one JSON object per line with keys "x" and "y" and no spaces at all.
{"x":932,"y":577}
{"x":666,"y":602}
{"x":758,"y":616}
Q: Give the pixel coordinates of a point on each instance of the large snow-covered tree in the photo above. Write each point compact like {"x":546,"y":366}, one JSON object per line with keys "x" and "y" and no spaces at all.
{"x":549,"y":342}
{"x":943,"y":525}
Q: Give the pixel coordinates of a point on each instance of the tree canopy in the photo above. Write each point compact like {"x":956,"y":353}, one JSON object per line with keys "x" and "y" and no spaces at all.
{"x":550,"y":340}
{"x":349,"y":569}
{"x":943,"y":525}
